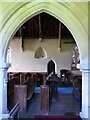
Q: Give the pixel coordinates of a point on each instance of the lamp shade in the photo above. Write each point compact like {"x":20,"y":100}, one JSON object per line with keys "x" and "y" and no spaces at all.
{"x":40,"y":53}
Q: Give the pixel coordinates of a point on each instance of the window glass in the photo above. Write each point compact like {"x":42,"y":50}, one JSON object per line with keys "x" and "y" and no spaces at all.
{"x":75,"y":57}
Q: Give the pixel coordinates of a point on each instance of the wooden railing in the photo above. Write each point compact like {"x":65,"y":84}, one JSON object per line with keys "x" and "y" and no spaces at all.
{"x":24,"y":92}
{"x":14,"y":111}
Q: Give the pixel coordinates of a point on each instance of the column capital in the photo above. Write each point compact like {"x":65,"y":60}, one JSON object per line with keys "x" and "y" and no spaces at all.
{"x":84,"y":67}
{"x":6,"y":116}
{"x":5,"y":65}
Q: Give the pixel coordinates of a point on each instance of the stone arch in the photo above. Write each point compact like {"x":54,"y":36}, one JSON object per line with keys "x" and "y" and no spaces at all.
{"x":61,"y":11}
{"x":73,"y":14}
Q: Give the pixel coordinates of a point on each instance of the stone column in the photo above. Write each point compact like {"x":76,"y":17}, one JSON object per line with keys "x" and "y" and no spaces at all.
{"x":85,"y":112}
{"x":3,"y":89}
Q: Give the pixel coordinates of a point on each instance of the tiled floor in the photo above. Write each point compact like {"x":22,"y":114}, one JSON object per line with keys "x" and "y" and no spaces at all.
{"x":65,"y":103}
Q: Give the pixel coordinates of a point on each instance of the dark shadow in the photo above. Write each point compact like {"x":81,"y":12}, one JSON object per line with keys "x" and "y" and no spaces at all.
{"x":50,"y":67}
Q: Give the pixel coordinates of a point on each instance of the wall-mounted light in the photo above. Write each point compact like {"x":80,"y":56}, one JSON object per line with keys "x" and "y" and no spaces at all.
{"x":22,"y":49}
{"x":21,"y":39}
{"x":59,"y":49}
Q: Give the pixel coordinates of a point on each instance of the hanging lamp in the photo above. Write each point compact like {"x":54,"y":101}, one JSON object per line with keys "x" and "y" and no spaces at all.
{"x":40,"y":53}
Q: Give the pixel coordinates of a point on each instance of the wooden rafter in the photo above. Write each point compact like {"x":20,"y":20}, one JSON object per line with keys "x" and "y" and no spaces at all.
{"x":40,"y":28}
{"x":59,"y":34}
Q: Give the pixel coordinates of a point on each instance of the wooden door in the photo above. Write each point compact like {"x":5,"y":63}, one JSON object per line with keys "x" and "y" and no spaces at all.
{"x":50,"y":67}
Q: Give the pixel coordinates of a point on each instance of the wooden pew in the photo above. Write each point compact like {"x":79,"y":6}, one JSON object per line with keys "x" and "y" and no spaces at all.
{"x":20,"y":95}
{"x":26,"y":91}
{"x":10,"y":85}
{"x":77,"y":87}
{"x":10,"y":90}
{"x":20,"y":79}
{"x":30,"y":87}
{"x":44,"y":98}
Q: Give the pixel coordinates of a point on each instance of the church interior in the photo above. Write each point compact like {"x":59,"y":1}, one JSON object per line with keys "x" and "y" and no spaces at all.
{"x":41,"y":46}
{"x":47,"y":74}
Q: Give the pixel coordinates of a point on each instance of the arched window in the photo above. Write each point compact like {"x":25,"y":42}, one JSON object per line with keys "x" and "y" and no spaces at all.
{"x":75,"y":57}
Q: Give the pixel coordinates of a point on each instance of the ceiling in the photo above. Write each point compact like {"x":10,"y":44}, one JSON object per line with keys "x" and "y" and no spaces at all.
{"x":44,"y":26}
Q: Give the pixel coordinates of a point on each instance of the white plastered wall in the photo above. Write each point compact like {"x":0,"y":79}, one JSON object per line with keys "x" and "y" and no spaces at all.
{"x":25,"y":61}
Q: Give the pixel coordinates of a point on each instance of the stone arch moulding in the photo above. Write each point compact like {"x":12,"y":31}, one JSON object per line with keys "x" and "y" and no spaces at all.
{"x":61,"y":11}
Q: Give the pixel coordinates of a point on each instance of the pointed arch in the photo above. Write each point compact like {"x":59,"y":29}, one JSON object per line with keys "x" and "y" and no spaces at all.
{"x":62,"y":11}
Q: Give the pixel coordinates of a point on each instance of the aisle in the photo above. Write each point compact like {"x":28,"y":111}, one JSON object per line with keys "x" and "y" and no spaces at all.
{"x":61,"y":90}
{"x":64,"y":104}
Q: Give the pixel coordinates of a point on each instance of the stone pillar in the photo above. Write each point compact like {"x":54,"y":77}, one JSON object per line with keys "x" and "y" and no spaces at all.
{"x":85,"y":112}
{"x":3,"y":89}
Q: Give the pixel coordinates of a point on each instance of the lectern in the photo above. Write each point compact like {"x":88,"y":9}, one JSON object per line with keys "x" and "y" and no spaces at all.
{"x":44,"y":98}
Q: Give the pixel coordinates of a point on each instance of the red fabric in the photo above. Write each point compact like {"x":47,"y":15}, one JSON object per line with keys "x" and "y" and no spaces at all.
{"x":57,"y":117}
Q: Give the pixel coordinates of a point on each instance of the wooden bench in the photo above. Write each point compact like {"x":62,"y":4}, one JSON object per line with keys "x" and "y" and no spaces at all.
{"x":30,"y":87}
{"x":20,"y":79}
{"x":10,"y":86}
{"x":24,"y":92}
